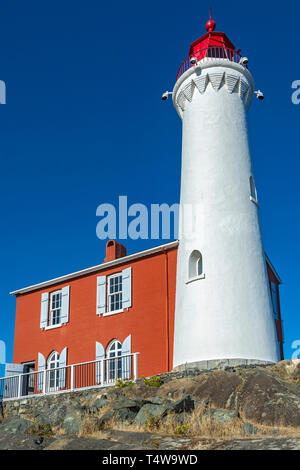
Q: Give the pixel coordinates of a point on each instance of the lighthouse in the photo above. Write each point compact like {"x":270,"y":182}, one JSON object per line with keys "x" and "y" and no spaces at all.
{"x":223,"y":306}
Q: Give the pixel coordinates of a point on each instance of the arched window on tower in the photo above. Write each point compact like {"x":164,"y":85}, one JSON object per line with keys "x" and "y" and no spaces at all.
{"x":253,"y":192}
{"x":195,"y":264}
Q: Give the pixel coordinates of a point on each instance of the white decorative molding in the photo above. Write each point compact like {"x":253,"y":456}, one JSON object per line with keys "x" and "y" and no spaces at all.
{"x":216,"y":79}
{"x":219,"y":74}
{"x":232,"y":82}
{"x":196,"y":278}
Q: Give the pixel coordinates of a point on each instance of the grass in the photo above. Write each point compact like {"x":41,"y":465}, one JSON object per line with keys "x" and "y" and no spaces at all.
{"x":196,"y":425}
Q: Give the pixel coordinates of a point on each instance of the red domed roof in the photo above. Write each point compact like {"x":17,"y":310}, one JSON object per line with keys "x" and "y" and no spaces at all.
{"x":211,"y":45}
{"x":211,"y":38}
{"x":211,"y":24}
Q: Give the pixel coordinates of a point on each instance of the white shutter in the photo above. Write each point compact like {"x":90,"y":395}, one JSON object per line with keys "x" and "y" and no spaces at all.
{"x":65,"y":302}
{"x":126,"y":361}
{"x":100,"y":356}
{"x":41,"y":368}
{"x":101,"y":294}
{"x":62,"y":372}
{"x":126,"y":288}
{"x":44,"y":310}
{"x":11,"y":387}
{"x":2,"y":352}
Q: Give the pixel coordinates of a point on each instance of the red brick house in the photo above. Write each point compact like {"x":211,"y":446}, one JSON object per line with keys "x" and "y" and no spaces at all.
{"x":123,"y":306}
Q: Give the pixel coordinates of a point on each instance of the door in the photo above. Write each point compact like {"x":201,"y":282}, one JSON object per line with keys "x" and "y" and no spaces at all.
{"x":28,"y":384}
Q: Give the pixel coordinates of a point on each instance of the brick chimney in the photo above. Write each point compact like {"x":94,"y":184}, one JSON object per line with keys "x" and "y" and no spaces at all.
{"x":114,"y":250}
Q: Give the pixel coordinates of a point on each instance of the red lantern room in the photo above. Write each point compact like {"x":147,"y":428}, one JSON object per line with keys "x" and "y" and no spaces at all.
{"x":212,"y":45}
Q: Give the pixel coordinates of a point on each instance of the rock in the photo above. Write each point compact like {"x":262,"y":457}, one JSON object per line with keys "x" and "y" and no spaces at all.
{"x":124,"y":402}
{"x":179,"y":419}
{"x":100,"y":403}
{"x":265,"y":443}
{"x":39,"y":440}
{"x":72,"y":423}
{"x":185,"y":404}
{"x":42,"y":429}
{"x":221,"y":416}
{"x":269,"y":399}
{"x":290,"y":367}
{"x":125,"y":414}
{"x":248,"y":429}
{"x":24,"y":402}
{"x":15,"y":425}
{"x":56,"y":415}
{"x":105,"y":418}
{"x":161,"y":401}
{"x":148,"y":411}
{"x":218,"y":387}
{"x":42,"y":420}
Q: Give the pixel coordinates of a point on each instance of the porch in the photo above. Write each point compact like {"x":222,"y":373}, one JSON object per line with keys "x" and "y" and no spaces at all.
{"x":86,"y":375}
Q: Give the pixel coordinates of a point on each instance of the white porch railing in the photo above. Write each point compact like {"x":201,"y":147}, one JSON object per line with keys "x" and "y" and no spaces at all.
{"x":86,"y":375}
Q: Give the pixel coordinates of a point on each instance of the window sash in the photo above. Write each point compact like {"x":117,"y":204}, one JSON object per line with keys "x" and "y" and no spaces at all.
{"x":55,"y":308}
{"x":114,"y":362}
{"x":53,"y":365}
{"x":114,"y":294}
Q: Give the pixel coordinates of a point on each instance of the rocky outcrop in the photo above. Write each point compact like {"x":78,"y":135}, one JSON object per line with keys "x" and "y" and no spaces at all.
{"x":127,"y":440}
{"x":251,"y":395}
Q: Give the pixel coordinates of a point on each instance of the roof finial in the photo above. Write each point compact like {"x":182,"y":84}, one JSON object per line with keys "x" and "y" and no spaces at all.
{"x":210,"y":25}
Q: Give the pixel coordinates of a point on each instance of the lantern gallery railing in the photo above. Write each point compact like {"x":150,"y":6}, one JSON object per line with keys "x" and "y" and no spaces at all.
{"x":209,"y":53}
{"x":82,"y":376}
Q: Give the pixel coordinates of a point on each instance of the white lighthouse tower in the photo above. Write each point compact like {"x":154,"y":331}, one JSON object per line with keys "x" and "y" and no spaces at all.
{"x":223,"y":305}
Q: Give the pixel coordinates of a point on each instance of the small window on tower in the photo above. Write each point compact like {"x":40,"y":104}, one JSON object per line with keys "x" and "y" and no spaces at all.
{"x":253,"y":193}
{"x":195,"y":265}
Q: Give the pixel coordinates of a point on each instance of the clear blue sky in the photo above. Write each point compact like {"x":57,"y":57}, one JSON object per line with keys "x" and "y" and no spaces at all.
{"x":84,"y":123}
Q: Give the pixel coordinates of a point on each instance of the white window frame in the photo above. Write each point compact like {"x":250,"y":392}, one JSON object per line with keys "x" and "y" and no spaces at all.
{"x":109,"y":295}
{"x":52,"y":325}
{"x":195,"y":262}
{"x":53,"y":359}
{"x":115,"y":354}
{"x":253,"y":191}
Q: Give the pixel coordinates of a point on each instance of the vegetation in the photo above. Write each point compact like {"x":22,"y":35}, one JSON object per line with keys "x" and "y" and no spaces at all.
{"x":182,"y":429}
{"x":124,"y":383}
{"x":152,"y":423}
{"x":152,"y":381}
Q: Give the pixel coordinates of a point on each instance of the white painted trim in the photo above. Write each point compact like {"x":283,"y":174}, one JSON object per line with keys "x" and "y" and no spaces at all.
{"x":114,"y":312}
{"x":254,"y":200}
{"x":52,"y":327}
{"x":210,"y":63}
{"x":196,"y":278}
{"x":99,"y":267}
